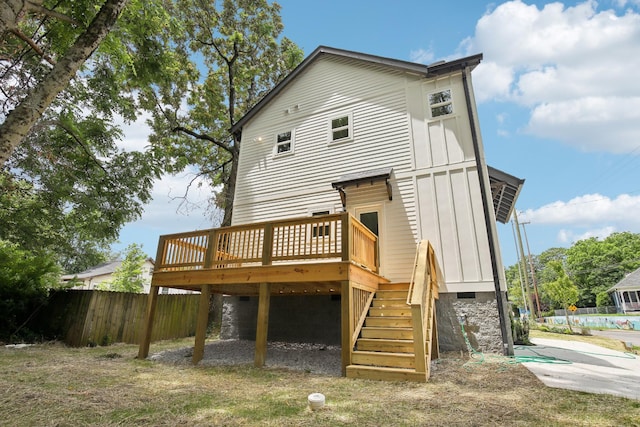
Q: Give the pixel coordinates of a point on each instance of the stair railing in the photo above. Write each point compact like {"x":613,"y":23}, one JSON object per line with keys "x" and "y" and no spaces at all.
{"x":423,"y":290}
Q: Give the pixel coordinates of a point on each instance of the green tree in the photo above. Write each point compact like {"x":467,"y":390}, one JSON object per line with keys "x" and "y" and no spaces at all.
{"x":211,"y":62}
{"x":128,"y":277}
{"x":68,"y":186}
{"x":25,"y":279}
{"x":38,"y":52}
{"x":240,"y":57}
{"x":596,"y":265}
{"x":562,"y":290}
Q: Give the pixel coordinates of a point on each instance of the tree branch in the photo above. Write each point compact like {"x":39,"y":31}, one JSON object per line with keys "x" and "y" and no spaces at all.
{"x":38,"y":8}
{"x":28,"y":40}
{"x":78,"y":141}
{"x":204,"y":137}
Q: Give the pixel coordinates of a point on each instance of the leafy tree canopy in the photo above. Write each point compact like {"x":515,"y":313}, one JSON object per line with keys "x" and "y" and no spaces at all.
{"x":593,"y":265}
{"x":128,"y":277}
{"x":25,"y":279}
{"x":194,"y":66}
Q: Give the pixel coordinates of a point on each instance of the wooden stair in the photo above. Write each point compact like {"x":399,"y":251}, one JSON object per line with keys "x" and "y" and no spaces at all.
{"x":385,"y":348}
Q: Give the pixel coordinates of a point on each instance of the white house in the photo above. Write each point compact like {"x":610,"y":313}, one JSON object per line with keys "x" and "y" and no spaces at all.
{"x":92,"y":278}
{"x":398,"y":145}
{"x":626,"y":293}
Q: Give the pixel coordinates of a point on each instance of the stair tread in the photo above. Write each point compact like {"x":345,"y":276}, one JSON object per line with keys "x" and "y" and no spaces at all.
{"x":384,"y":353}
{"x":399,"y":341}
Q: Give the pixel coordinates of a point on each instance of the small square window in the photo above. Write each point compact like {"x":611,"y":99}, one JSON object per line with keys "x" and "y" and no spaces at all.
{"x":441,"y":103}
{"x":284,"y":142}
{"x":320,"y":230}
{"x":341,"y":128}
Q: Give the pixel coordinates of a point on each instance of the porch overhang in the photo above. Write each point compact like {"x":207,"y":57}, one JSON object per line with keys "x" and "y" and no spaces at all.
{"x":505,"y":189}
{"x":359,"y":178}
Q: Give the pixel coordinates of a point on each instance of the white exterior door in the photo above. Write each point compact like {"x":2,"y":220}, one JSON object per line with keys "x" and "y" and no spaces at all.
{"x":372,"y":216}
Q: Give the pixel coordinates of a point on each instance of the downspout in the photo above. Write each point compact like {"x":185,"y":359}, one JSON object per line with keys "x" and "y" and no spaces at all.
{"x":507,"y":344}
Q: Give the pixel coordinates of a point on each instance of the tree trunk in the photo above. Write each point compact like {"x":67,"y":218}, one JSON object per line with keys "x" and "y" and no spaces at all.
{"x":566,"y":314}
{"x":231,"y":186}
{"x":19,"y":121}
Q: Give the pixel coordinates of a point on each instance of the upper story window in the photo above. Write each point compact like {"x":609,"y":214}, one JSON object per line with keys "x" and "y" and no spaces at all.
{"x":341,"y":128}
{"x":441,"y":103}
{"x":284,"y":142}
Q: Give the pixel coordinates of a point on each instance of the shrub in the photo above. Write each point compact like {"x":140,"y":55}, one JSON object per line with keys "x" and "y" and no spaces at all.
{"x":25,"y":279}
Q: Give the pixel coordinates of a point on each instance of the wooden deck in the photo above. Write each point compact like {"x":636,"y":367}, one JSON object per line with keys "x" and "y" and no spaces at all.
{"x":321,"y":255}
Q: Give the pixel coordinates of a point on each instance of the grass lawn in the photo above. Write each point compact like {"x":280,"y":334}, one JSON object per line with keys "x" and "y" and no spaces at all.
{"x":54,"y":385}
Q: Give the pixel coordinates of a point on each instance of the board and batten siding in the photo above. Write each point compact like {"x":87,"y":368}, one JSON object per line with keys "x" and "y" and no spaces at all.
{"x":435,"y":187}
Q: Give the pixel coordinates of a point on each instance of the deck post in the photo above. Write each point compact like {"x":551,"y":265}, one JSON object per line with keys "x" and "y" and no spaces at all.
{"x":346,"y":238}
{"x":263,"y":324}
{"x":143,"y":350}
{"x":201,"y":324}
{"x":346,"y":327}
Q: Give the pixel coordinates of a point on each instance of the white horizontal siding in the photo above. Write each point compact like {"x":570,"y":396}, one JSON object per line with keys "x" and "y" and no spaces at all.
{"x":377,"y":101}
{"x":435,"y":186}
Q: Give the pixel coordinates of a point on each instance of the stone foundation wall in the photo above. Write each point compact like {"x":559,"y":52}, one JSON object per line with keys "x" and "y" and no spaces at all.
{"x":306,"y":319}
{"x":478,"y":313}
{"x":316,"y":319}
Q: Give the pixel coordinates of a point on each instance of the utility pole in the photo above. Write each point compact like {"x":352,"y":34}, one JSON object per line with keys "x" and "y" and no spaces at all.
{"x":533,"y":272}
{"x":520,"y":274}
{"x":522,"y":261}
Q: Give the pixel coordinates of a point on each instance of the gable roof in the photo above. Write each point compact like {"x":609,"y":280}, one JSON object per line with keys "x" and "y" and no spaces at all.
{"x":435,"y":69}
{"x":630,"y":282}
{"x":100,"y":270}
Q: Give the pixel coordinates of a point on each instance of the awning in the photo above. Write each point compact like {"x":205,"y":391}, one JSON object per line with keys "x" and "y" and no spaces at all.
{"x":505,"y":189}
{"x":358,"y":178}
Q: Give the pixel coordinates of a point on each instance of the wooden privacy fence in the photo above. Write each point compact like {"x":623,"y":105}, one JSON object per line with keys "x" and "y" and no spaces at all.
{"x":82,"y":317}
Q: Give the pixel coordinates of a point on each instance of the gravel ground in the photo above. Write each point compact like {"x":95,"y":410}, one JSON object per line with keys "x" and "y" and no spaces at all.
{"x":313,"y":358}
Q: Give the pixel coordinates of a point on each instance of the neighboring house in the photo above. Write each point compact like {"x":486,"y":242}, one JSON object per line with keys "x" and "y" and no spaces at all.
{"x":394,"y":145}
{"x":626,"y":293}
{"x":92,"y":278}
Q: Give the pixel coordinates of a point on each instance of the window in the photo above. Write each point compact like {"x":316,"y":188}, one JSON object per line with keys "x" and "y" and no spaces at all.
{"x":284,"y":143}
{"x":440,"y":103}
{"x":320,"y":230}
{"x":341,"y":128}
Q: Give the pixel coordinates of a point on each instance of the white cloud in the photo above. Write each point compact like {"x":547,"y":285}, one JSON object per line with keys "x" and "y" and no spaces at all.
{"x":570,"y":236}
{"x":573,"y":67}
{"x":136,"y":133}
{"x":590,"y":210}
{"x":422,"y":56}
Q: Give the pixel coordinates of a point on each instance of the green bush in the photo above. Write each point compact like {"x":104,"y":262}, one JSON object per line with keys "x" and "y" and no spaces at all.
{"x":25,"y":280}
{"x":520,"y":331}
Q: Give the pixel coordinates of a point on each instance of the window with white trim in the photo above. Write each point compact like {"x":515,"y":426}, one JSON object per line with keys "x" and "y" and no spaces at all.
{"x":341,"y":128}
{"x":284,"y":142}
{"x":441,"y":103}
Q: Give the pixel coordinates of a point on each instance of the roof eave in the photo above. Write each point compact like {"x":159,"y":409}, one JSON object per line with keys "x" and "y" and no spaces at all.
{"x":412,"y":67}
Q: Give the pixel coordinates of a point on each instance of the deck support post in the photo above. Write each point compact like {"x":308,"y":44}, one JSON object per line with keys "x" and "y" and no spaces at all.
{"x":201,"y":324}
{"x":346,"y":325}
{"x":263,"y":324}
{"x":143,"y":350}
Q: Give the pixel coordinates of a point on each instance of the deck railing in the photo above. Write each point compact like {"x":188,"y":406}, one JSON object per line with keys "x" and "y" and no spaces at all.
{"x":423,"y":291}
{"x":309,"y":239}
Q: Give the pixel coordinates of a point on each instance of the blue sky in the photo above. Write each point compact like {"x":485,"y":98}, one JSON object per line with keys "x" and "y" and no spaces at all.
{"x":558,"y":97}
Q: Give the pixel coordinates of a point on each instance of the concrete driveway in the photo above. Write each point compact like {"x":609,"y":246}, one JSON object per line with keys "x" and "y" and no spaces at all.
{"x":623,"y":335}
{"x":584,"y":367}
